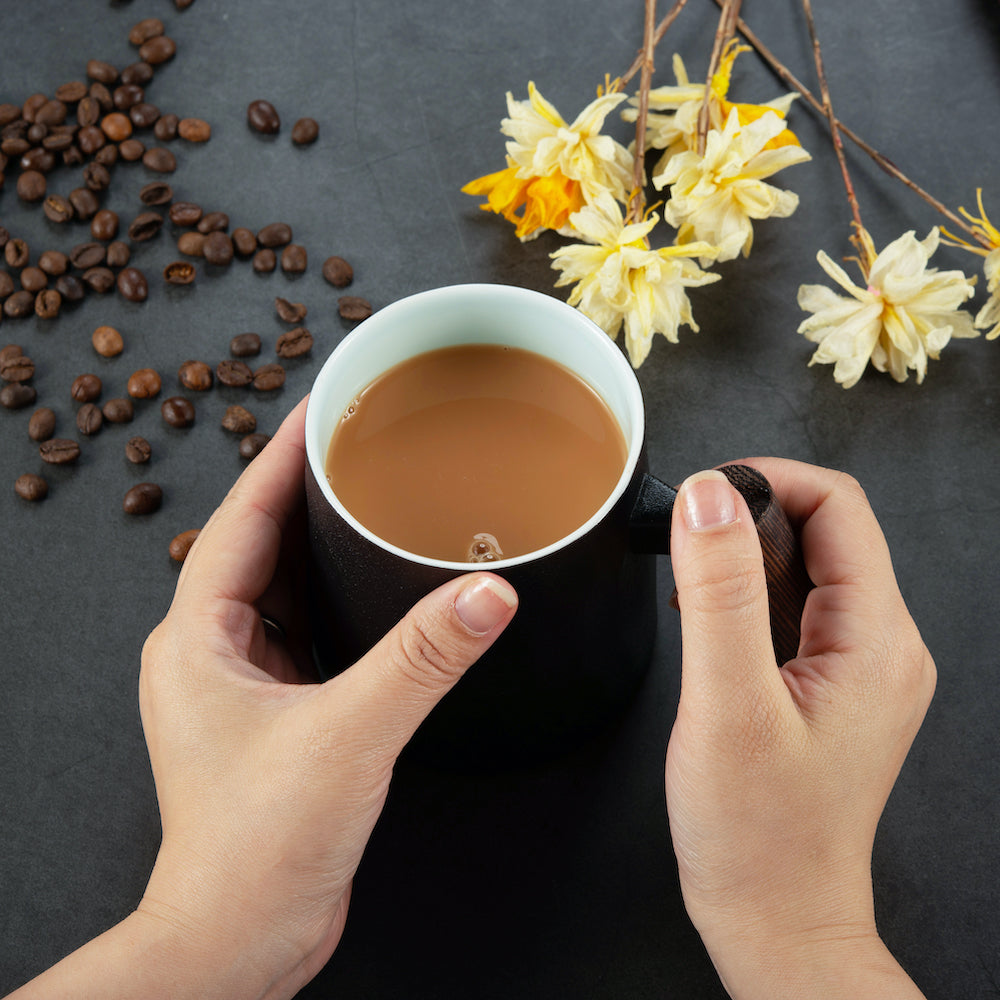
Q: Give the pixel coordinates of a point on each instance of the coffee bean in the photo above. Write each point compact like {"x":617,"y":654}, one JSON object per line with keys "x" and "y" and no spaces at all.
{"x":16,"y":253}
{"x":294,"y":259}
{"x":239,"y":420}
{"x":37,"y":160}
{"x":17,"y":368}
{"x":212,"y":221}
{"x":9,"y":113}
{"x":338,"y":271}
{"x":192,"y":244}
{"x":194,"y":130}
{"x":158,"y":50}
{"x":269,"y":377}
{"x":16,"y":395}
{"x":245,"y":345}
{"x":119,"y":254}
{"x":119,"y":410}
{"x":294,"y":343}
{"x":70,"y":93}
{"x":19,"y":305}
{"x":58,"y":142}
{"x":132,"y":285}
{"x":70,"y":288}
{"x":185,"y":213}
{"x":143,"y":114}
{"x":264,"y":261}
{"x":177,"y":411}
{"x":262,"y":117}
{"x":144,"y":383}
{"x":102,"y":71}
{"x":42,"y":424}
{"x":48,"y":303}
{"x":290,"y":312}
{"x":52,"y":113}
{"x":142,"y":31}
{"x":143,"y":498}
{"x":233,"y":373}
{"x":131,"y":150}
{"x":7,"y":284}
{"x":99,"y":279}
{"x":88,"y":113}
{"x":130,"y":91}
{"x":196,"y":376}
{"x":11,"y":351}
{"x":179,"y":272}
{"x":31,"y":105}
{"x":90,"y":139}
{"x":116,"y":126}
{"x":33,"y":279}
{"x":145,"y":226}
{"x":96,"y":177}
{"x":156,"y":193}
{"x":59,"y":451}
{"x":138,"y":450}
{"x":252,"y":445}
{"x":84,"y":203}
{"x":160,"y":160}
{"x":31,"y":486}
{"x":86,"y":388}
{"x":53,"y":263}
{"x":166,"y":127}
{"x":181,"y":544}
{"x":275,"y":234}
{"x":104,"y":225}
{"x":107,"y":341}
{"x":352,"y":307}
{"x":86,"y":255}
{"x":218,"y":248}
{"x":89,"y":419}
{"x":31,"y":186}
{"x":244,"y":241}
{"x":305,"y":131}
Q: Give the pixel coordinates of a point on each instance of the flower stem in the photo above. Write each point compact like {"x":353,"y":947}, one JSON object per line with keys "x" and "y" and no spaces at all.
{"x":636,"y":202}
{"x":661,"y":30}
{"x":723,"y":32}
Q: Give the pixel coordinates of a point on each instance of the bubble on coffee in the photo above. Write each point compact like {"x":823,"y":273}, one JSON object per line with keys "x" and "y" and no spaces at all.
{"x":484,"y":548}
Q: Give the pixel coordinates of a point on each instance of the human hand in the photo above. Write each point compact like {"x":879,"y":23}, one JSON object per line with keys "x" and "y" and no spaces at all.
{"x":776,"y":779}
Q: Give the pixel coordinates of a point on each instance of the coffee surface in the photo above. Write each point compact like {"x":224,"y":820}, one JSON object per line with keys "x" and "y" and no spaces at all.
{"x":475,"y":453}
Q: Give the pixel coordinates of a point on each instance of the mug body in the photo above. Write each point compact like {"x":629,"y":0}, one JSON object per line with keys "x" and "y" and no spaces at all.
{"x":578,"y":646}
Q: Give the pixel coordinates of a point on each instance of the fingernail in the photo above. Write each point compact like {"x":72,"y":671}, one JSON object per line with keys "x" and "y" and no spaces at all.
{"x":708,"y":501}
{"x":484,"y":604}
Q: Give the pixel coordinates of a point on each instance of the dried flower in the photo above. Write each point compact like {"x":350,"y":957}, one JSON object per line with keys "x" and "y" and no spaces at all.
{"x":988,"y":318}
{"x":713,"y":198}
{"x":905,"y":313}
{"x":620,"y":280}
{"x":554,"y":168}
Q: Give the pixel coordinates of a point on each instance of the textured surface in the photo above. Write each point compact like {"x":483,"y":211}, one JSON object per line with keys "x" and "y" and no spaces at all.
{"x":560,"y":881}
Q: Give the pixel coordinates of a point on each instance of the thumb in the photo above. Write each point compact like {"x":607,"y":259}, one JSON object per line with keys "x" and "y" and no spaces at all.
{"x":394,"y":686}
{"x":718,"y":569}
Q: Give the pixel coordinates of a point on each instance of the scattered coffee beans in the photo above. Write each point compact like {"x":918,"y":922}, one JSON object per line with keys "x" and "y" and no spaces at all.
{"x":181,"y":544}
{"x":338,"y":272}
{"x":119,"y":410}
{"x":86,"y":388}
{"x":294,"y":343}
{"x":245,"y":345}
{"x":89,"y":419}
{"x":31,"y":486}
{"x":138,"y":450}
{"x":239,"y":420}
{"x":196,"y":376}
{"x":275,"y":234}
{"x":107,"y":341}
{"x":262,"y":117}
{"x":269,"y":377}
{"x":194,"y":130}
{"x":16,"y":395}
{"x":179,"y":272}
{"x":42,"y":424}
{"x":143,"y":498}
{"x":144,"y":383}
{"x":59,"y":451}
{"x":252,"y":445}
{"x":294,"y":259}
{"x":233,"y":373}
{"x":305,"y":131}
{"x":132,"y":284}
{"x":290,"y":312}
{"x":177,"y":412}
{"x":353,"y":307}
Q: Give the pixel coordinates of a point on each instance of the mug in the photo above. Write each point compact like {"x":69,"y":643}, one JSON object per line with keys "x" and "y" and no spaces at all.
{"x":579,"y":644}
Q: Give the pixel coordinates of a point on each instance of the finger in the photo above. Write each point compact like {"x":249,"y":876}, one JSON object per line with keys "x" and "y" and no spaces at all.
{"x":391,"y":690}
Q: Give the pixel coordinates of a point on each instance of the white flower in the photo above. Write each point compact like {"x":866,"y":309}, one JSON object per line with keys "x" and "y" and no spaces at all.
{"x":906,"y":313}
{"x":988,"y":318}
{"x":714,"y":197}
{"x":620,"y":281}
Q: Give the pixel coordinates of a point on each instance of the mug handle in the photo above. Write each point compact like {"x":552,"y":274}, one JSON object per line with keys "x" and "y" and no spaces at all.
{"x":788,"y":584}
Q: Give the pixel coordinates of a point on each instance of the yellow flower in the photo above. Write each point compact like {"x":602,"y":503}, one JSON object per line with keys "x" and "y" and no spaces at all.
{"x":714,"y":197}
{"x":905,"y":314}
{"x":554,"y":168}
{"x":988,"y":318}
{"x":619,"y":280}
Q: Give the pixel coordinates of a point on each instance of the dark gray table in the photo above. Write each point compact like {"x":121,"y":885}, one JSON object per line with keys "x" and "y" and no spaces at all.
{"x":559,"y":880}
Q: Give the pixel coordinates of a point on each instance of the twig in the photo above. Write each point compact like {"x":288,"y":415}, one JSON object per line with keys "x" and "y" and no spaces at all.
{"x":880,"y":159}
{"x":661,"y":30}
{"x":638,"y":171}
{"x":723,"y":32}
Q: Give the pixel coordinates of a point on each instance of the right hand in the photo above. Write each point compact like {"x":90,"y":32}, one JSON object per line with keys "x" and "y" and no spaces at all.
{"x":776,"y":779}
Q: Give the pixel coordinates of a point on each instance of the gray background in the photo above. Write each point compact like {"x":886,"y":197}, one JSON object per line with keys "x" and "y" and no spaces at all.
{"x":559,"y":880}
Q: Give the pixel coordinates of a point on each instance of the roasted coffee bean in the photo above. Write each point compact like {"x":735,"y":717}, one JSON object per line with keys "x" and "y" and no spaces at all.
{"x":53,"y":263}
{"x":143,"y":498}
{"x":70,"y":93}
{"x":128,"y":94}
{"x":211,"y":221}
{"x":31,"y":486}
{"x":31,"y":186}
{"x":14,"y":145}
{"x":294,"y":343}
{"x":290,"y":312}
{"x":16,"y":253}
{"x":71,"y":288}
{"x":107,"y":341}
{"x":244,"y":241}
{"x":132,"y":285}
{"x":42,"y":424}
{"x":263,"y":118}
{"x":245,"y":345}
{"x":264,"y":261}
{"x":233,"y":373}
{"x":19,"y":305}
{"x":252,"y":445}
{"x":36,"y":134}
{"x":353,"y":307}
{"x":158,"y":50}
{"x":294,"y":259}
{"x":38,"y":160}
{"x":119,"y":410}
{"x":116,"y":126}
{"x":137,"y":74}
{"x":58,"y":142}
{"x":275,"y":234}
{"x":177,"y":411}
{"x":131,"y":150}
{"x":17,"y":368}
{"x":88,"y":113}
{"x":338,"y":271}
{"x":7,"y":283}
{"x":192,"y":244}
{"x":33,"y":279}
{"x":9,"y":113}
{"x":144,"y":30}
{"x":267,"y":378}
{"x":145,"y":226}
{"x":52,"y":113}
{"x":194,"y":130}
{"x":102,"y":71}
{"x":166,"y":127}
{"x":86,"y":255}
{"x":144,"y":383}
{"x":11,"y":351}
{"x":143,"y":114}
{"x":99,"y":279}
{"x":179,"y":272}
{"x":180,"y":545}
{"x":218,"y":248}
{"x":15,"y":395}
{"x":160,"y":160}
{"x":86,"y":388}
{"x":48,"y":303}
{"x":96,"y":176}
{"x":196,"y":376}
{"x":104,"y":225}
{"x":119,"y":254}
{"x":31,"y":105}
{"x":59,"y":451}
{"x":100,"y":93}
{"x":156,"y":193}
{"x":185,"y":213}
{"x":305,"y":131}
{"x":84,"y":203}
{"x":239,"y":420}
{"x":89,"y":419}
{"x":138,"y":450}
{"x":90,"y":139}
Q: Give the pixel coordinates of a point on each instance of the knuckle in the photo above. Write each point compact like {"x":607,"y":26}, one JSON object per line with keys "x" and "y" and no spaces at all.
{"x":423,"y":656}
{"x":730,"y":585}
